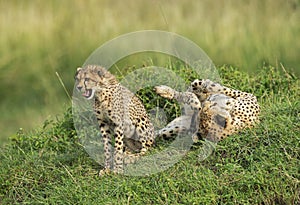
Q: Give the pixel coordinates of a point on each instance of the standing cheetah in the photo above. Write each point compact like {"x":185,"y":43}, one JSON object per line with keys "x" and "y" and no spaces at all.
{"x":220,"y":111}
{"x":117,"y":110}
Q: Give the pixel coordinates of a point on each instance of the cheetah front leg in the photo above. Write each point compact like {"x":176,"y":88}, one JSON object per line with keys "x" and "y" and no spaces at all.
{"x":118,"y":152}
{"x":106,"y":138}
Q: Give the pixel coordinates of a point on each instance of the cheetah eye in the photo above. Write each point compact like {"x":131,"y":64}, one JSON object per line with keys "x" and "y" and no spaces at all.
{"x":86,"y":79}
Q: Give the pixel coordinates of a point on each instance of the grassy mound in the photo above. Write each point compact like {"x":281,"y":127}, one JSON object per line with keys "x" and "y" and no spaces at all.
{"x":257,"y":166}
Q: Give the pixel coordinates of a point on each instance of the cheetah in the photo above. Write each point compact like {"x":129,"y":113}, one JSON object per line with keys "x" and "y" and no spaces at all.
{"x":218,"y":111}
{"x":118,"y":112}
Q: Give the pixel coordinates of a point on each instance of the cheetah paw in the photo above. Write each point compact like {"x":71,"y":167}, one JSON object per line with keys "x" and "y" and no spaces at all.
{"x":104,"y":172}
{"x":165,"y":91}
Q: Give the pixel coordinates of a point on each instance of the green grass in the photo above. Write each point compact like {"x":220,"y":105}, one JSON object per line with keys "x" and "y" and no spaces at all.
{"x":256,"y":166}
{"x":39,"y":38}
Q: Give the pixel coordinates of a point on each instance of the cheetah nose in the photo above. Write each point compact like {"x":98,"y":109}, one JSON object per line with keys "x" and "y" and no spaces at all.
{"x":79,"y":88}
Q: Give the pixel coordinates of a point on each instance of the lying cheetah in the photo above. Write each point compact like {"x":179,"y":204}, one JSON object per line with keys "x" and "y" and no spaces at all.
{"x":117,"y":110}
{"x":218,"y":110}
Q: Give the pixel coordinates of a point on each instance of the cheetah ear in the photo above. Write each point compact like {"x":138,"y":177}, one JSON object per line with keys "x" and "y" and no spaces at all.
{"x":77,"y":71}
{"x":100,"y":73}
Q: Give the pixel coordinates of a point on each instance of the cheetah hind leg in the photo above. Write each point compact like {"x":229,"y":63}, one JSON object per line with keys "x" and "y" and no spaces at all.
{"x":179,"y":125}
{"x":133,"y":150}
{"x":185,"y":123}
{"x":132,"y":145}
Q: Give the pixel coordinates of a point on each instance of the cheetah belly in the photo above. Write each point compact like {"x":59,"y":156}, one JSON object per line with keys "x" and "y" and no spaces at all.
{"x":215,"y":118}
{"x":131,"y":139}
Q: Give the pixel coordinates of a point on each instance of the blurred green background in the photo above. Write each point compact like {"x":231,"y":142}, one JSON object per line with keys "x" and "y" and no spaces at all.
{"x":40,"y":38}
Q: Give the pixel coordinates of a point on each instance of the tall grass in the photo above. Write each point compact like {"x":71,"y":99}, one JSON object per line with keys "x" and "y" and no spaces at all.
{"x":40,"y":38}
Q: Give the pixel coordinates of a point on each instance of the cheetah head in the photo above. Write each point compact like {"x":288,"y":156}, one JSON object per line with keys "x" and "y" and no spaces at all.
{"x":92,"y":78}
